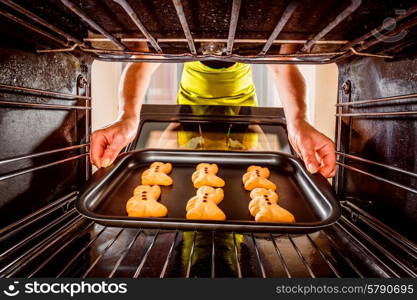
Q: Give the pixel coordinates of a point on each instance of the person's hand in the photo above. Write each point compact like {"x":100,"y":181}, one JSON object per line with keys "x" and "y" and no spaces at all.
{"x":106,"y":143}
{"x":317,"y":151}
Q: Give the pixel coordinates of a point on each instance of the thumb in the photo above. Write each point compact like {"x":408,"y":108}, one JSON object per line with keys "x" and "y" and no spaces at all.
{"x":112,"y":151}
{"x":309,"y":158}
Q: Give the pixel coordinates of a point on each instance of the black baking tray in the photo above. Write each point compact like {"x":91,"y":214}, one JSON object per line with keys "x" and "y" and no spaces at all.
{"x":308,"y":197}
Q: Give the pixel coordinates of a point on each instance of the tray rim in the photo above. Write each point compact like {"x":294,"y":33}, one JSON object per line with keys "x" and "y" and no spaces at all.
{"x":180,"y":223}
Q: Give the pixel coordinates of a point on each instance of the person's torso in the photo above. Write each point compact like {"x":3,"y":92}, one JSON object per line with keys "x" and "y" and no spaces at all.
{"x":204,"y":85}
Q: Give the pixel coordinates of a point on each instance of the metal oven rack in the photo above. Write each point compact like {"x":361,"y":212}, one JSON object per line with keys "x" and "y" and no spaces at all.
{"x":24,"y":98}
{"x":69,"y":245}
{"x":42,"y":93}
{"x":70,"y":43}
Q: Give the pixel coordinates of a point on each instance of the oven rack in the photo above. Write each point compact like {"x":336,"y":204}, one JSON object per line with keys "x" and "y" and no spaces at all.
{"x":56,"y":241}
{"x":123,"y":53}
{"x":82,"y":147}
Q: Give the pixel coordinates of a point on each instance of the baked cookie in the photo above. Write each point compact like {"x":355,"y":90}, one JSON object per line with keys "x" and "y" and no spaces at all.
{"x":157,"y":174}
{"x":272,"y":212}
{"x":200,"y":208}
{"x":205,"y":175}
{"x":154,"y":190}
{"x":206,"y":192}
{"x":257,"y":177}
{"x":264,"y":172}
{"x":260,"y":197}
{"x":145,"y":205}
{"x":211,"y":168}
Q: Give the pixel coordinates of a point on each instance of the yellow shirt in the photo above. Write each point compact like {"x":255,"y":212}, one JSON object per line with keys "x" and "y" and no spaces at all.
{"x":203,"y":85}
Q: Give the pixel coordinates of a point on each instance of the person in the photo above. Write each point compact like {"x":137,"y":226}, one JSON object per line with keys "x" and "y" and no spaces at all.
{"x":217,"y":83}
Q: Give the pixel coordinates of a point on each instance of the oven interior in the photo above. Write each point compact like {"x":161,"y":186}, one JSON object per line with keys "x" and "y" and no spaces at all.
{"x":46,"y":51}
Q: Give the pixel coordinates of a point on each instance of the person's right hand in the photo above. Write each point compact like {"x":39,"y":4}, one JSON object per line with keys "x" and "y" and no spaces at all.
{"x":106,"y":143}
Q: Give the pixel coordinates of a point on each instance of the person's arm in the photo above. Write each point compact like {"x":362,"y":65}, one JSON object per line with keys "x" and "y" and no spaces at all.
{"x":106,"y":143}
{"x":316,"y":150}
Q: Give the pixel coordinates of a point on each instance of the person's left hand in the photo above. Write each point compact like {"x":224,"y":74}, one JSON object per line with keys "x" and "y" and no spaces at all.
{"x":317,"y":151}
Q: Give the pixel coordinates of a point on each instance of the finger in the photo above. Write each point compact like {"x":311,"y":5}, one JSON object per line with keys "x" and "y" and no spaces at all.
{"x":296,"y":149}
{"x":112,"y":151}
{"x":309,"y":158}
{"x":328,"y":156}
{"x":97,"y":148}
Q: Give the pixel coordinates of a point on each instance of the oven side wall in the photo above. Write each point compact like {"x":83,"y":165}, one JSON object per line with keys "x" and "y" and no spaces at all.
{"x":29,"y":183}
{"x":386,"y":139}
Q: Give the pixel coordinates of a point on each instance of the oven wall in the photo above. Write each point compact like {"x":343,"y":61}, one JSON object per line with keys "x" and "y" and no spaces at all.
{"x":391,"y":140}
{"x":29,"y":130}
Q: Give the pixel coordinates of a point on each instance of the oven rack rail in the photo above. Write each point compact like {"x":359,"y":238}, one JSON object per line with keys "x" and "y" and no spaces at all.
{"x":82,"y":148}
{"x":358,"y":245}
{"x":349,"y":48}
{"x":344,"y":112}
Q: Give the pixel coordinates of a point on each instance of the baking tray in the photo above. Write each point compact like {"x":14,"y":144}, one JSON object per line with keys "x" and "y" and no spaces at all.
{"x":308,"y":197}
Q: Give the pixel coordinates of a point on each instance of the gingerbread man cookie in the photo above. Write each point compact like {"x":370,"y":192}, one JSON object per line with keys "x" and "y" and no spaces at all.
{"x":210,"y":193}
{"x":157,"y":174}
{"x":153,"y":190}
{"x":204,"y":205}
{"x":272,"y":212}
{"x":257,"y":177}
{"x":205,"y":175}
{"x":260,"y":197}
{"x":204,"y":209}
{"x":144,"y":203}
